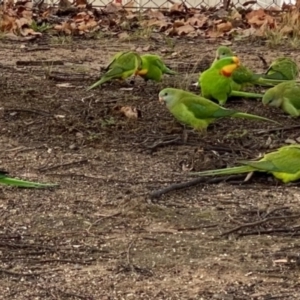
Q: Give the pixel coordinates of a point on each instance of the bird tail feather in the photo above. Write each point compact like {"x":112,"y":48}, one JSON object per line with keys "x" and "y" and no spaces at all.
{"x":226,"y":171}
{"x":25,"y":184}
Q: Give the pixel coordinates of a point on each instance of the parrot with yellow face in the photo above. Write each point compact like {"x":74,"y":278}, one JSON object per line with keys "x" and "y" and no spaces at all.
{"x":216,"y":82}
{"x":123,"y":65}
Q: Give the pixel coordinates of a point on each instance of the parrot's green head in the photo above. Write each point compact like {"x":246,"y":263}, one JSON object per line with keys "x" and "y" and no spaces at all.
{"x":226,"y":65}
{"x":222,"y":52}
{"x":272,"y":98}
{"x":168,"y":96}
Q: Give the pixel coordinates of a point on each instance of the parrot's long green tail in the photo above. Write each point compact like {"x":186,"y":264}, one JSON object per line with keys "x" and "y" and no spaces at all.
{"x":252,"y":117}
{"x":245,"y":94}
{"x":169,"y":71}
{"x":268,"y":79}
{"x":99,"y":82}
{"x":25,"y":184}
{"x":226,"y":171}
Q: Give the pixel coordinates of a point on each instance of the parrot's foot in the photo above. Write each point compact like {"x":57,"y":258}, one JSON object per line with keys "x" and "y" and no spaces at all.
{"x":249,"y":176}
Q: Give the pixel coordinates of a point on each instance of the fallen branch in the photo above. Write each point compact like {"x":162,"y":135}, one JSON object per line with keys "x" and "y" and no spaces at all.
{"x":252,"y":224}
{"x":183,"y":185}
{"x":39,"y":63}
{"x":32,"y":111}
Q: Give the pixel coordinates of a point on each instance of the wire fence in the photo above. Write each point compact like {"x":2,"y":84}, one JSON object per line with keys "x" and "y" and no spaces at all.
{"x":159,"y":4}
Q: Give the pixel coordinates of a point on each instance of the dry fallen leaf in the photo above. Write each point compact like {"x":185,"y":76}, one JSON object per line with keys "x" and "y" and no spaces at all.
{"x":224,"y":27}
{"x":129,"y":112}
{"x":184,"y":30}
{"x":177,"y":7}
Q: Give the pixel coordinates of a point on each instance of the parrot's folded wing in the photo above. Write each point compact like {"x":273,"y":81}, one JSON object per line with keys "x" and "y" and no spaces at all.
{"x":203,"y":108}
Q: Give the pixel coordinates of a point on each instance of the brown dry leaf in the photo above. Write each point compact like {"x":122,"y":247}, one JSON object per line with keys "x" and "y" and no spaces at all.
{"x":7,"y":23}
{"x":161,"y":24}
{"x":64,"y":27}
{"x":9,"y":3}
{"x":178,"y":7}
{"x":64,"y":4}
{"x":22,"y":21}
{"x":184,"y":30}
{"x":197,"y":22}
{"x":81,"y":3}
{"x":285,"y":30}
{"x":123,"y":35}
{"x":259,"y":17}
{"x":112,"y":7}
{"x":80,"y":17}
{"x":214,"y":34}
{"x":178,"y":23}
{"x":29,"y":31}
{"x":224,"y":27}
{"x":236,"y":16}
{"x":130,"y":112}
{"x":155,"y":14}
{"x":129,"y":5}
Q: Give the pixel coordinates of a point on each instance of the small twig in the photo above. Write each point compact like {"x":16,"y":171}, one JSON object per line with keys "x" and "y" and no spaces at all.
{"x":163,"y":143}
{"x":197,"y":228}
{"x":78,"y":262}
{"x":37,"y":49}
{"x":246,"y":225}
{"x":103,"y":217}
{"x":71,"y":294}
{"x":274,"y":210}
{"x":183,"y":185}
{"x":12,"y":273}
{"x":266,"y":65}
{"x":40,"y":63}
{"x":278,"y":129}
{"x":81,"y":161}
{"x":33,"y":111}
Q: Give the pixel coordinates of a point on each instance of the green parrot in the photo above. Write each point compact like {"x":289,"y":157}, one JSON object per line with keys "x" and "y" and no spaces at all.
{"x":153,"y":68}
{"x":216,"y":82}
{"x":122,"y":66}
{"x":4,"y":179}
{"x":284,"y":164}
{"x":280,"y":70}
{"x":285,"y":95}
{"x":197,"y":111}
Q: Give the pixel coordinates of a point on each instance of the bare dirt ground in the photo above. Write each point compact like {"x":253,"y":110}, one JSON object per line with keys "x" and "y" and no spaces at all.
{"x":100,"y":236}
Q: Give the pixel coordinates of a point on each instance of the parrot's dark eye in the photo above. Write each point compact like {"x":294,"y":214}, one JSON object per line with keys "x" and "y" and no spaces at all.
{"x":166,"y":94}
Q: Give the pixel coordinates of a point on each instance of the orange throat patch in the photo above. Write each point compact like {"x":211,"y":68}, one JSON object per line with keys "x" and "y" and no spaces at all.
{"x":228,"y":70}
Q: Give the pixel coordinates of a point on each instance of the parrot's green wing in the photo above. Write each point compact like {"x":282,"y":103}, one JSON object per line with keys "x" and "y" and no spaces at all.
{"x":205,"y":109}
{"x":283,"y":68}
{"x":4,"y":179}
{"x":122,"y":66}
{"x":285,"y":160}
{"x":114,"y":58}
{"x":164,"y":68}
{"x":285,"y":95}
{"x":283,"y":163}
{"x":153,"y":68}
